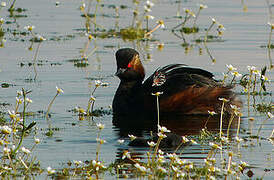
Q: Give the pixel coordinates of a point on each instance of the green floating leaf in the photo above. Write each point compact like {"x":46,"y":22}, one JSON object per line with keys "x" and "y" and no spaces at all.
{"x":5,"y":85}
{"x":81,"y":64}
{"x":190,"y":30}
{"x":132,"y":33}
{"x":49,"y":133}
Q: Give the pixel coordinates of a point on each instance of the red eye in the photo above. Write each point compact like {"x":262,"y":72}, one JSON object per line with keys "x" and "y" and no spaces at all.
{"x":129,"y":65}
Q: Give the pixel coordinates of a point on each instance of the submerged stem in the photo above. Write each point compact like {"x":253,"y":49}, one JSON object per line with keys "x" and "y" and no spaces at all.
{"x":221,"y":119}
{"x":229,"y":124}
{"x":238,"y":129}
{"x":47,"y":114}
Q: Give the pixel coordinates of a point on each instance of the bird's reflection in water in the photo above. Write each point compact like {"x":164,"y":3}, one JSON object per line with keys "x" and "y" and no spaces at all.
{"x":144,"y":125}
{"x":180,"y":124}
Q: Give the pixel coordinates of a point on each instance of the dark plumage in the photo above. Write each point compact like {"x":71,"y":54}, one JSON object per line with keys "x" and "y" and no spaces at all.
{"x":185,"y":90}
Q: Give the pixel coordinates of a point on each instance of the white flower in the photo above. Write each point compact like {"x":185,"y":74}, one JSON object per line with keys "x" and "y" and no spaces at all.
{"x":132,"y":137}
{"x":3,"y":4}
{"x":147,"y":9}
{"x":100,"y":126}
{"x":181,"y":161}
{"x":98,"y":83}
{"x":224,"y":139}
{"x":92,"y":98}
{"x":238,"y":139}
{"x":83,"y":6}
{"x":180,"y":174}
{"x":140,"y":168}
{"x":172,"y":156}
{"x":161,"y":159}
{"x":149,"y":17}
{"x":80,"y":110}
{"x":189,"y":166}
{"x":126,"y":154}
{"x":93,"y":162}
{"x":193,"y":142}
{"x":19,"y":93}
{"x":6,"y":150}
{"x":161,"y":23}
{"x":149,"y":3}
{"x":28,"y":100}
{"x":50,"y":170}
{"x":160,"y":152}
{"x":2,"y":21}
{"x":271,"y":25}
{"x":59,"y":90}
{"x":270,"y":116}
{"x":264,"y":78}
{"x":202,"y":6}
{"x":231,"y":68}
{"x":244,"y":164}
{"x":29,"y":28}
{"x":251,"y":68}
{"x":213,"y":20}
{"x":175,"y":169}
{"x":36,"y":140}
{"x":104,"y":84}
{"x":40,"y":38}
{"x":192,"y":14}
{"x":214,"y":146}
{"x":211,"y":169}
{"x":161,"y":135}
{"x":234,"y":107}
{"x":236,"y":74}
{"x":257,"y":72}
{"x":101,"y":141}
{"x":161,"y":169}
{"x":5,"y":129}
{"x":151,"y":143}
{"x":217,"y":169}
{"x":225,"y":75}
{"x":120,"y":141}
{"x":77,"y":163}
{"x":221,"y":27}
{"x":7,"y":168}
{"x":157,"y":93}
{"x":12,"y":114}
{"x":25,"y":150}
{"x":98,"y":165}
{"x":163,"y":129}
{"x":211,"y":113}
{"x":223,"y":99}
{"x":184,"y":139}
{"x":148,"y":6}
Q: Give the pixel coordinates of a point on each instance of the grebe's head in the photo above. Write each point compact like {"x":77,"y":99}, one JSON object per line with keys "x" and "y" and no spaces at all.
{"x":129,"y":66}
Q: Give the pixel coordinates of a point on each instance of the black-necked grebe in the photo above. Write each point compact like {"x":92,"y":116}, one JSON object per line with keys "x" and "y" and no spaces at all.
{"x":184,"y":89}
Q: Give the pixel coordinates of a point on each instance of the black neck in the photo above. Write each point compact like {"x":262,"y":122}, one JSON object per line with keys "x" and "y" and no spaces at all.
{"x":128,"y":98}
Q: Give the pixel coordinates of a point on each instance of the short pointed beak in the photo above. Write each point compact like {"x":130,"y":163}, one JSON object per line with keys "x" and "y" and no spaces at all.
{"x":120,"y":71}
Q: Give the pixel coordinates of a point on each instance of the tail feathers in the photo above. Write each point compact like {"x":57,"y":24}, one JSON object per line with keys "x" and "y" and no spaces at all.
{"x":200,"y":100}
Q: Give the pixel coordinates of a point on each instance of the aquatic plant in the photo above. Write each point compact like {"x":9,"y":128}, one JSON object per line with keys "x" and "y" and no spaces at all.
{"x":17,"y":160}
{"x":157,"y":94}
{"x":59,"y":91}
